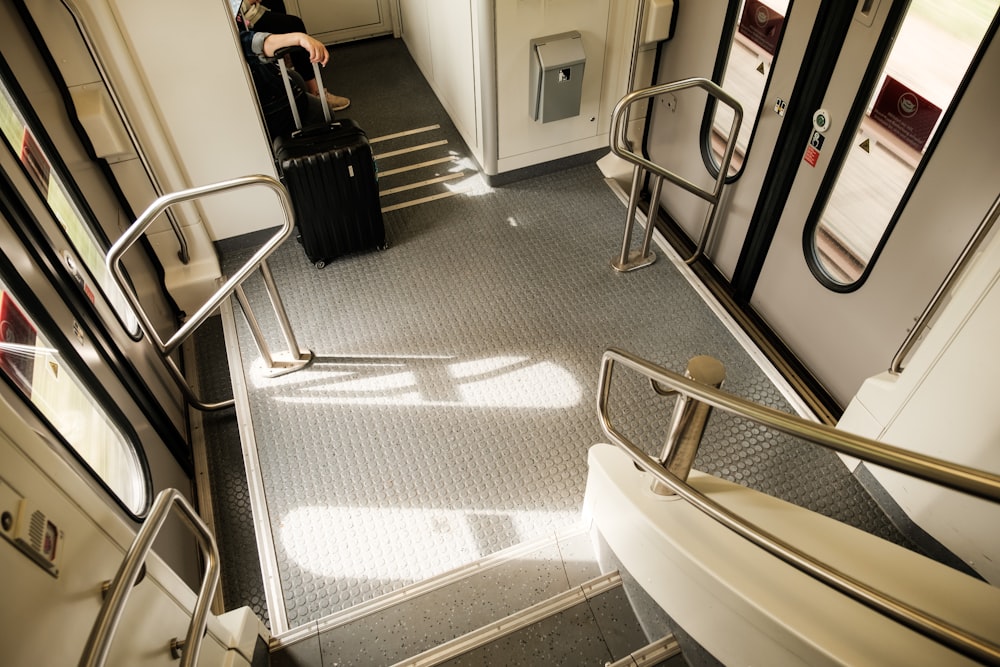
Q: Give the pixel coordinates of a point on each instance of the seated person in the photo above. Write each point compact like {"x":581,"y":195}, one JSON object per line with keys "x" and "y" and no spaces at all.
{"x":270,"y":16}
{"x":259,"y":48}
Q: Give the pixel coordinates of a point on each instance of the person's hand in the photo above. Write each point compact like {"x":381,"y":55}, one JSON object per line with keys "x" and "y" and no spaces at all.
{"x":315,"y":48}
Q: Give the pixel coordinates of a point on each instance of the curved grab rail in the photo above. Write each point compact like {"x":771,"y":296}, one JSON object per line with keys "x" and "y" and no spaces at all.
{"x":977,"y":483}
{"x":896,"y":365}
{"x":138,"y":228}
{"x":621,"y":147}
{"x":95,"y":653}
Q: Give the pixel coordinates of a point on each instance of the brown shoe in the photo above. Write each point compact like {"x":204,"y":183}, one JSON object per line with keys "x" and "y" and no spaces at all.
{"x":336,"y":102}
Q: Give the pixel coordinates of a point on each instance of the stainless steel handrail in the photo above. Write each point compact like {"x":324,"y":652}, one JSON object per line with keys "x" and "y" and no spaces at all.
{"x":98,"y":646}
{"x":621,"y":147}
{"x":640,"y":22}
{"x":974,"y":482}
{"x":896,"y":366}
{"x":138,"y":228}
{"x":183,"y":253}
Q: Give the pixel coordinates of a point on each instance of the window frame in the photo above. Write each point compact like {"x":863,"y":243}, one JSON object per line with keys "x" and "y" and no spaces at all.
{"x":866,"y":89}
{"x":35,"y":310}
{"x":728,"y":36}
{"x":71,"y":190}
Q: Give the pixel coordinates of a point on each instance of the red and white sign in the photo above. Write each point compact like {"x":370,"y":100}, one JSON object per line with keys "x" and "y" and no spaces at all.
{"x":761,"y":25}
{"x":813,"y":149}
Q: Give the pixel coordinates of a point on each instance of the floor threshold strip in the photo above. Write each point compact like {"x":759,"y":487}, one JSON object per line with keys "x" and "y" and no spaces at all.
{"x":412,"y":149}
{"x":419,"y":165}
{"x":422,"y":200}
{"x":407,"y":133}
{"x":423,"y":587}
{"x":514,"y":622}
{"x":420,"y":184}
{"x":651,"y":654}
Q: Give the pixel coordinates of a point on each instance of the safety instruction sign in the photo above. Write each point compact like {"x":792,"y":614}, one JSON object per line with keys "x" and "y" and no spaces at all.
{"x":814,"y":147}
{"x":906,"y":114}
{"x":761,"y":25}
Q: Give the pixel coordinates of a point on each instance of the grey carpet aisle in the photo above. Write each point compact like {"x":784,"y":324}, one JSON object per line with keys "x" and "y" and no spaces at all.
{"x":452,"y":402}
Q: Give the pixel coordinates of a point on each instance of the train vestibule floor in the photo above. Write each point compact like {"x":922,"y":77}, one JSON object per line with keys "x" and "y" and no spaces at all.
{"x":451,"y":403}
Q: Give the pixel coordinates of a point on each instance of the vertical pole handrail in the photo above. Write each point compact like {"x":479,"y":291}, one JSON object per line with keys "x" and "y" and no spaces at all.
{"x":279,"y":307}
{"x":640,"y":20}
{"x":896,"y":366}
{"x":633,"y":205}
{"x":183,"y":253}
{"x":621,"y":147}
{"x":138,"y":228}
{"x":95,"y":653}
{"x":687,"y":426}
{"x":960,"y":478}
{"x":254,"y":324}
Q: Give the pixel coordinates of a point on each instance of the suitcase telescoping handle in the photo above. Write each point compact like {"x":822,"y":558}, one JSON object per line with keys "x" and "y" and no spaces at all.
{"x":280,"y":55}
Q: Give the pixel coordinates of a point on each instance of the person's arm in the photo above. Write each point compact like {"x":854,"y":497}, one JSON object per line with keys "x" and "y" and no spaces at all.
{"x":273,"y":42}
{"x":246,"y":42}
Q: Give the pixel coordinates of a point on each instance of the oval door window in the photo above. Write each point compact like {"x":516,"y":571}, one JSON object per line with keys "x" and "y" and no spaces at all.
{"x":40,"y":372}
{"x":933,"y":50}
{"x":743,"y":69}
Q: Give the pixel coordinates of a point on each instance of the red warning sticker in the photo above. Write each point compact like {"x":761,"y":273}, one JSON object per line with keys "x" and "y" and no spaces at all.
{"x":812,"y":155}
{"x":813,"y":149}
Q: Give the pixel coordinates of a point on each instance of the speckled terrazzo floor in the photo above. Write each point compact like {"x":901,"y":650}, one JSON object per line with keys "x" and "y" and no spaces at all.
{"x":451,"y":404}
{"x":593,"y":632}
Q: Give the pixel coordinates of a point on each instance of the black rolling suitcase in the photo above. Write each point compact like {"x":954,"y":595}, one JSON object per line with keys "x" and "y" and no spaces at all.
{"x":330,"y":175}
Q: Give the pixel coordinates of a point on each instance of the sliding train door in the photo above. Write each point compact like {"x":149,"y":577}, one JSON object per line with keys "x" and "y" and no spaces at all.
{"x":897,"y":171}
{"x":852,"y":190}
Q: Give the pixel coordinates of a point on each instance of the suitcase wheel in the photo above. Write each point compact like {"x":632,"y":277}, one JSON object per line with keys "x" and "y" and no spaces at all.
{"x":320,"y":263}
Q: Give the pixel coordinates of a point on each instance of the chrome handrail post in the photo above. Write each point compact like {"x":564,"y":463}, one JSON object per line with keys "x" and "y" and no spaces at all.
{"x":294,"y":351}
{"x":95,"y":652}
{"x":621,"y":147}
{"x":254,"y":324}
{"x":654,"y":203}
{"x":687,"y":426}
{"x":960,"y":478}
{"x":720,"y":183}
{"x":622,"y":261}
{"x":640,"y":21}
{"x":192,"y":398}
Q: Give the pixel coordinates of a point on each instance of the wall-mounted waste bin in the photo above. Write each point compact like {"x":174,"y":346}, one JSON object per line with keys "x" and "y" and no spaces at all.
{"x":557,"y":63}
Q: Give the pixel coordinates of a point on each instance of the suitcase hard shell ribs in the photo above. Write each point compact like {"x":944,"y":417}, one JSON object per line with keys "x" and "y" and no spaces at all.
{"x":331,"y":178}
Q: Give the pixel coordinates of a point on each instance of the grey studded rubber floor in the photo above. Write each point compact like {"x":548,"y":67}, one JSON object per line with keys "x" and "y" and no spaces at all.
{"x":452,"y":401}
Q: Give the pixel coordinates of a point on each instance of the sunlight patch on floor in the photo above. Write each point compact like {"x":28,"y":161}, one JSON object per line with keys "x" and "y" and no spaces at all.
{"x":489,"y":382}
{"x":436,"y":539}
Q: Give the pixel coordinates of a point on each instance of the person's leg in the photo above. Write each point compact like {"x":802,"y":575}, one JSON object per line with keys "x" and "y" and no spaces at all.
{"x":275,"y":5}
{"x":312,"y":111}
{"x":279,"y":22}
{"x":336,"y":102}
